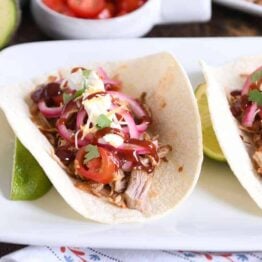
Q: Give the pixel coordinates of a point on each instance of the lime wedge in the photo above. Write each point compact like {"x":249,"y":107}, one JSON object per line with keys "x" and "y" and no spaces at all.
{"x":29,"y":181}
{"x":9,"y":20}
{"x":210,"y":143}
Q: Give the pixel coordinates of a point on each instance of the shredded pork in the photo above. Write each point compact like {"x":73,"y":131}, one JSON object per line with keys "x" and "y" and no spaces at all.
{"x":129,"y":189}
{"x":137,"y":190}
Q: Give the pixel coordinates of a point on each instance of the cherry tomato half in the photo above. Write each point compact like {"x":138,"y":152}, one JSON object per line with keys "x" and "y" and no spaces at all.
{"x":86,"y":8}
{"x":100,"y":169}
{"x":126,"y":6}
{"x":108,"y":12}
{"x":59,"y":6}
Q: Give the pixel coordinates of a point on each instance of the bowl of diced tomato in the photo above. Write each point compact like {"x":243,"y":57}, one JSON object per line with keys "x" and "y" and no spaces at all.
{"x":83,"y":19}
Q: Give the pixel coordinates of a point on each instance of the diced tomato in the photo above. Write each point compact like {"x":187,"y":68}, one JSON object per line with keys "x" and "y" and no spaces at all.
{"x":108,"y":12}
{"x":55,"y":4}
{"x":86,"y":8}
{"x":126,"y":6}
{"x":100,"y":169}
{"x":59,"y":6}
{"x":95,"y":9}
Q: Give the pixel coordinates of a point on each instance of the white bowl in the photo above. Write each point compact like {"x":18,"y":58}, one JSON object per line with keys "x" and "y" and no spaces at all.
{"x":59,"y":26}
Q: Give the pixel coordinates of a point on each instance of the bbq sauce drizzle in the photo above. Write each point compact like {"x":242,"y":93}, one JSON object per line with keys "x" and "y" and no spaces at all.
{"x":66,"y":152}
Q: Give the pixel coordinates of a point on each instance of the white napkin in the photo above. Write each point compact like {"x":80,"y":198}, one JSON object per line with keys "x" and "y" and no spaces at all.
{"x":69,"y":254}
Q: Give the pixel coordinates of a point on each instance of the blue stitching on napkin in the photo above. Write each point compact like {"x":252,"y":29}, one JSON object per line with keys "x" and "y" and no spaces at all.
{"x":53,"y":252}
{"x":104,"y":255}
{"x":176,"y":255}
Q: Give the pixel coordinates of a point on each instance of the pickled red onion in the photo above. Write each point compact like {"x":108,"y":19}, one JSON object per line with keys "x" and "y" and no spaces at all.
{"x":106,"y":79}
{"x":136,"y":108}
{"x":249,"y":115}
{"x":49,"y":112}
{"x":248,"y":82}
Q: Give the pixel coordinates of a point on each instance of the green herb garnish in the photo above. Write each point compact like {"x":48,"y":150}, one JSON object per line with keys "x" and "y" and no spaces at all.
{"x":255,"y":77}
{"x":255,"y":96}
{"x":86,"y":73}
{"x":91,"y":153}
{"x":103,"y":121}
{"x":78,"y":93}
{"x":66,"y":98}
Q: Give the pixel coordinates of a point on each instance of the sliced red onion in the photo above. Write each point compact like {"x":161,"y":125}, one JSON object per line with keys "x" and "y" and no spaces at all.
{"x":135,"y":106}
{"x":81,"y":115}
{"x":141,"y":128}
{"x":127,"y":166}
{"x":249,"y":115}
{"x":49,"y":112}
{"x":248,"y":82}
{"x":85,"y":141}
{"x":64,"y":132}
{"x":132,"y":147}
{"x":70,"y":108}
{"x":69,"y":135}
{"x":133,"y":132}
{"x":106,"y":79}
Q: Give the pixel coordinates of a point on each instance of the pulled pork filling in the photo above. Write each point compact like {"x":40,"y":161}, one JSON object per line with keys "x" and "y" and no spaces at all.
{"x":100,"y":135}
{"x":246,"y":107}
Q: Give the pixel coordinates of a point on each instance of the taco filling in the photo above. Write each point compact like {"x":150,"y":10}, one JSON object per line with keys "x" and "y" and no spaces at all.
{"x":246,"y":107}
{"x":100,"y":135}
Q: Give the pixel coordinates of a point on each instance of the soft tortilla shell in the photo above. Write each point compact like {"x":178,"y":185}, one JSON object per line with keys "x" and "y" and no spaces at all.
{"x":220,"y":82}
{"x":175,"y":119}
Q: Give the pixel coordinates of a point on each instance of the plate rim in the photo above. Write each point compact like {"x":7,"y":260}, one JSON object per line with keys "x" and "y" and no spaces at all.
{"x":96,"y":242}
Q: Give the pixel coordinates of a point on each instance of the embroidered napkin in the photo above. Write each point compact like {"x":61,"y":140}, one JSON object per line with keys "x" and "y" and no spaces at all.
{"x":70,"y":254}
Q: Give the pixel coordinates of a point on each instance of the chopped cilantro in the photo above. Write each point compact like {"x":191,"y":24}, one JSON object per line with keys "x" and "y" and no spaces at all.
{"x":79,"y":93}
{"x":255,"y":96}
{"x":66,"y":98}
{"x":91,"y":153}
{"x":255,"y":77}
{"x":103,"y":121}
{"x":86,"y":73}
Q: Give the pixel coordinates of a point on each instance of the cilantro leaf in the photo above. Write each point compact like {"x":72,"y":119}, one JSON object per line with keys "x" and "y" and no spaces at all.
{"x":66,"y":98}
{"x":92,"y":152}
{"x":255,"y":96}
{"x":103,"y":121}
{"x":256,"y":76}
{"x":86,"y":73}
{"x":79,"y":93}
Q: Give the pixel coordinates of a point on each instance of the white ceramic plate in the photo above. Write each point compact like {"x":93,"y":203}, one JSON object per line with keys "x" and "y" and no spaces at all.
{"x":219,"y":215}
{"x":242,"y":5}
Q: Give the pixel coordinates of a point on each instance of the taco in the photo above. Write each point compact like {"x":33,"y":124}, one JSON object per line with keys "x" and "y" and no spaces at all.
{"x":121,"y":142}
{"x":235,"y":103}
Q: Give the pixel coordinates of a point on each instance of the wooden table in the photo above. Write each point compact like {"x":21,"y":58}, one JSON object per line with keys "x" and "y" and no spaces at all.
{"x":225,"y":22}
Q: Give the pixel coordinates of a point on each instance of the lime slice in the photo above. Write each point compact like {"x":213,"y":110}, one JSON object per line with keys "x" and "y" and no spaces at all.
{"x":9,"y":20}
{"x":210,"y":143}
{"x":29,"y":181}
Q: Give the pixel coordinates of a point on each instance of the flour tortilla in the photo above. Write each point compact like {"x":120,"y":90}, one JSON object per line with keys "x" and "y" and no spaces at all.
{"x":175,"y":120}
{"x":220,"y":82}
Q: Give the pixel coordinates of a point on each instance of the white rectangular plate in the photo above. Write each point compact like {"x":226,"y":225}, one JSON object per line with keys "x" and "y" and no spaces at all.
{"x":219,"y":215}
{"x":242,"y":5}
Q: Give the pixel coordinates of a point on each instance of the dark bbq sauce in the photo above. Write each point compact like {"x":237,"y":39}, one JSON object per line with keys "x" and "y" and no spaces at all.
{"x":130,"y":155}
{"x":75,"y":69}
{"x":235,"y":93}
{"x":241,"y":102}
{"x":97,"y":94}
{"x":52,"y":94}
{"x":110,"y":87}
{"x":66,"y":155}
